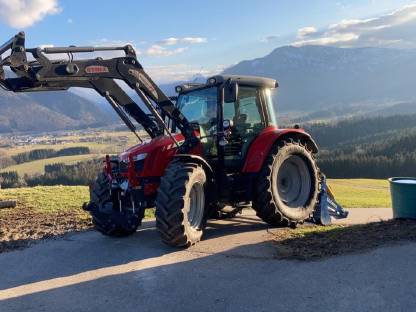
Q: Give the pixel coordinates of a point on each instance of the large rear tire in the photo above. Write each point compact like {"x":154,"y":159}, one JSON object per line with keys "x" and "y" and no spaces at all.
{"x":286,"y":191}
{"x":105,"y":211}
{"x":181,"y":204}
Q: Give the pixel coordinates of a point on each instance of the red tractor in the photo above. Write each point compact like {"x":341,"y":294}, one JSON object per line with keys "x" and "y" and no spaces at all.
{"x":215,"y":145}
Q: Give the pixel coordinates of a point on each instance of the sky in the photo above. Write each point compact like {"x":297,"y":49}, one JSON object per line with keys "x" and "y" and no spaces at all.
{"x":177,"y":40}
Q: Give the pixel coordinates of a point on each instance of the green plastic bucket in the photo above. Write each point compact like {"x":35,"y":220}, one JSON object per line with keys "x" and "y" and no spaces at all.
{"x":403,"y":197}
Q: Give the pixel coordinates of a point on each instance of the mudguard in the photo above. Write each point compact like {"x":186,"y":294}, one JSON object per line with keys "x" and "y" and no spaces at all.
{"x":197,"y":159}
{"x":260,"y":147}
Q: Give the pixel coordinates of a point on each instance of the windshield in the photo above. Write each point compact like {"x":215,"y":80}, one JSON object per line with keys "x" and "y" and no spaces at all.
{"x":200,"y":106}
{"x":270,"y":107}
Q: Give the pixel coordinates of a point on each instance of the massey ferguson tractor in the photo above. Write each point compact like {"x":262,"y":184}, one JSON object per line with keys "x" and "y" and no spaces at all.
{"x":214,"y":146}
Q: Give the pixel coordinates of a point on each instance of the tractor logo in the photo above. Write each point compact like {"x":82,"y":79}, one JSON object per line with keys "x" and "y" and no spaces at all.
{"x":96,"y":69}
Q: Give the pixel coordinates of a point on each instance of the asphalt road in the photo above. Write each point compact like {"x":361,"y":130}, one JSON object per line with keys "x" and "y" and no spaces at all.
{"x":233,"y":269}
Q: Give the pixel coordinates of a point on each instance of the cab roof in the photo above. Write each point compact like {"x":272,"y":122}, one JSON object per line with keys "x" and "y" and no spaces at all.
{"x":254,"y":81}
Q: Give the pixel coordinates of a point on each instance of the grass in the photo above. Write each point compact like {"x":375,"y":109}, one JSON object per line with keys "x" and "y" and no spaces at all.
{"x":47,"y":211}
{"x":51,"y":199}
{"x":24,"y":149}
{"x":43,"y":212}
{"x":99,"y":142}
{"x":48,"y":199}
{"x":361,"y":193}
{"x":317,"y":242}
{"x":38,"y":166}
{"x":350,"y":193}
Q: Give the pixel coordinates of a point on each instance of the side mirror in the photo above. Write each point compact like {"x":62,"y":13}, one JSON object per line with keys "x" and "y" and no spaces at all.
{"x":230,"y":91}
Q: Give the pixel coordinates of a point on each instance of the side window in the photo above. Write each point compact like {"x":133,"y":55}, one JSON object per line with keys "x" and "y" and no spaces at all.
{"x":247,"y":122}
{"x":247,"y":113}
{"x":229,"y":110}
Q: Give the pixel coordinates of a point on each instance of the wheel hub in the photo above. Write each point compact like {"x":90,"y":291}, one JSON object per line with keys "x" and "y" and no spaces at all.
{"x":196,"y":205}
{"x":294,"y":182}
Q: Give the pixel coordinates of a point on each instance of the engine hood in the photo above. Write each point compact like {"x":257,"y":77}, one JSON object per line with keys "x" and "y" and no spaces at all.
{"x":149,"y":147}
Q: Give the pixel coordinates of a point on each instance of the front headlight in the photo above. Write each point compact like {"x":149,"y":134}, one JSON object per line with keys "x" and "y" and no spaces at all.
{"x":140,"y":157}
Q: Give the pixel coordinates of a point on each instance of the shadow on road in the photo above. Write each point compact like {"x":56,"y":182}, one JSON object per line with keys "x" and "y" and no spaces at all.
{"x":89,"y":272}
{"x":86,"y":251}
{"x":239,"y":224}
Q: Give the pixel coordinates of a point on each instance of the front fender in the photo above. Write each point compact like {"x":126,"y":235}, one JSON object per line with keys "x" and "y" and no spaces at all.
{"x":261,"y":146}
{"x":196,"y":159}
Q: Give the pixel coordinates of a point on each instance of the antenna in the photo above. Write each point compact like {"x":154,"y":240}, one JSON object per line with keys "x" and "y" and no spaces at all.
{"x":198,"y":74}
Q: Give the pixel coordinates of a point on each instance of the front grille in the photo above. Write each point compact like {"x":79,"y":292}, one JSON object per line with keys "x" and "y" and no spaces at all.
{"x":138,"y":165}
{"x":123,"y":167}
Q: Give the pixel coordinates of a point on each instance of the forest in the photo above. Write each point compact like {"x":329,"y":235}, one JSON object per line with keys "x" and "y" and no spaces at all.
{"x":378,"y":147}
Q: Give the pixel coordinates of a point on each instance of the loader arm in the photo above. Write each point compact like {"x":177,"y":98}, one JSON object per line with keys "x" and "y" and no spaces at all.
{"x":44,"y":74}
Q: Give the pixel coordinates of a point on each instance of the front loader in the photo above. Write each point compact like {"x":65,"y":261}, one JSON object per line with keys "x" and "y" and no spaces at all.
{"x":216,"y":145}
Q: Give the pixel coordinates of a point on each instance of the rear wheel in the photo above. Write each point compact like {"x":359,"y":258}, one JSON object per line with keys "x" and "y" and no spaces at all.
{"x":287,"y":186}
{"x":180,"y":204}
{"x":105,"y":211}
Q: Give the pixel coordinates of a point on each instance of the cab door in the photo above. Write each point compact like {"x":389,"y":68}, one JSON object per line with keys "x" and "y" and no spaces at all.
{"x":247,"y":121}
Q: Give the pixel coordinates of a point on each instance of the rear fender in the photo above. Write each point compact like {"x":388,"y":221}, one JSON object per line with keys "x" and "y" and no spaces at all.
{"x":261,"y":146}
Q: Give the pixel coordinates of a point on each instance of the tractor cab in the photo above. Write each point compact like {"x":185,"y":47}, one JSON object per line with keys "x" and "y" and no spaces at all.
{"x":229,"y":112}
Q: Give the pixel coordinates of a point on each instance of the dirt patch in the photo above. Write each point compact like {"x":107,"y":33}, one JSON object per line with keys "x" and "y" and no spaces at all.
{"x":20,"y":227}
{"x":317,"y":242}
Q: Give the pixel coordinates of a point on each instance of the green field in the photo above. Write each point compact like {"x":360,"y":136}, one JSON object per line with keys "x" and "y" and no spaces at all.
{"x":38,"y":166}
{"x":99,"y":142}
{"x":50,"y":199}
{"x":361,"y":193}
{"x":349,"y":193}
{"x":48,"y":211}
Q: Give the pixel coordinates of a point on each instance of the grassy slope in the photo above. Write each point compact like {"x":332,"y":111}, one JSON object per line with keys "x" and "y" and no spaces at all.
{"x":38,"y":166}
{"x":47,"y":211}
{"x":50,"y":199}
{"x":361,"y":193}
{"x":349,"y":193}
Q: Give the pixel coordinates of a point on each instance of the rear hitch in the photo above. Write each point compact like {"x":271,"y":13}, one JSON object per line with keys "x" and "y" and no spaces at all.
{"x":327,"y":206}
{"x":88,"y":206}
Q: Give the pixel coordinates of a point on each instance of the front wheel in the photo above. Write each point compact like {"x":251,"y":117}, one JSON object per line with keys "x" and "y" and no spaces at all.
{"x":287,"y":186}
{"x":180,"y":204}
{"x":111,"y":215}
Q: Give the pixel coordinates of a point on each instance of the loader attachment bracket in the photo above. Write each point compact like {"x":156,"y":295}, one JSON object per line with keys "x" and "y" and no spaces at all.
{"x":46,"y":74}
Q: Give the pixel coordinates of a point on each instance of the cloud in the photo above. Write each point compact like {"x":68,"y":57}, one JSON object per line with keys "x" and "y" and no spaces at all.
{"x":25,"y":13}
{"x":105,"y":42}
{"x":270,"y":39}
{"x":306,"y":31}
{"x":193,"y":40}
{"x":157,"y":50}
{"x":180,"y":72}
{"x":69,"y":20}
{"x":186,"y":40}
{"x":396,"y":29}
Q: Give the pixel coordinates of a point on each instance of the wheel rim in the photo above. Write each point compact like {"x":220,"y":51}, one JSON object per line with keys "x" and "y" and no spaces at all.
{"x":294,"y":182}
{"x":196,"y":205}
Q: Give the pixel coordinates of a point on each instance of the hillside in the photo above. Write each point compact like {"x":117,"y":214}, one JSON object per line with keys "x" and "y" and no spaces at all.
{"x":313,"y":78}
{"x":359,"y":131}
{"x":378,"y":147}
{"x":48,"y":112}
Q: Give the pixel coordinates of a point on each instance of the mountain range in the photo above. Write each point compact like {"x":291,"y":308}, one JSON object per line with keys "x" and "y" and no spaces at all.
{"x":48,"y":111}
{"x":315,"y":78}
{"x":316,"y":82}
